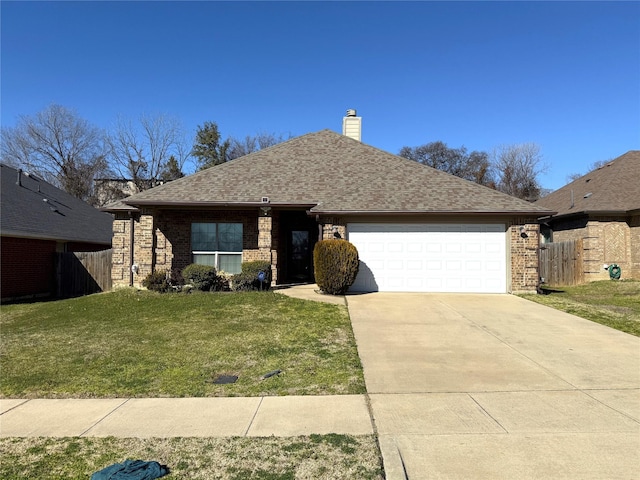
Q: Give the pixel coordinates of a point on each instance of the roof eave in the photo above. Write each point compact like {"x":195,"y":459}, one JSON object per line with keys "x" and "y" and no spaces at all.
{"x":582,"y":213}
{"x":53,"y":238}
{"x":505,"y":213}
{"x":153,"y":203}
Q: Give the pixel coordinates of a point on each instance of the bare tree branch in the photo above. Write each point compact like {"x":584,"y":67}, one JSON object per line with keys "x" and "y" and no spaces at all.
{"x":59,"y":146}
{"x":518,"y":167}
{"x":141,"y":152}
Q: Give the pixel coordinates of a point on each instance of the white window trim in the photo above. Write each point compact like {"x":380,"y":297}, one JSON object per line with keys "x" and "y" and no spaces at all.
{"x":215,"y":253}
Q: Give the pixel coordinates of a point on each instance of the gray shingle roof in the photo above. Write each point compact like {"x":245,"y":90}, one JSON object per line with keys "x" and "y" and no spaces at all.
{"x":25,"y":213}
{"x":331,"y":173}
{"x":615,"y":187}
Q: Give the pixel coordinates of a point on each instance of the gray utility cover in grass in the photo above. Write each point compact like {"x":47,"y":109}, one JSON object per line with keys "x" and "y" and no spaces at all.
{"x":225,"y":379}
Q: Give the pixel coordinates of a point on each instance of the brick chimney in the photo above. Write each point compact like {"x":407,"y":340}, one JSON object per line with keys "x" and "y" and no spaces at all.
{"x":352,"y":125}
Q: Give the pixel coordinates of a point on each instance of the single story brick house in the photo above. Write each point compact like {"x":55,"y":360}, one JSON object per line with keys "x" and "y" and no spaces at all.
{"x":602,"y":208}
{"x":416,"y":228}
{"x":39,"y":220}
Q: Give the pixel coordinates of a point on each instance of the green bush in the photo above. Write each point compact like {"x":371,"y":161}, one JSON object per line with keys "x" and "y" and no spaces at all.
{"x":157,"y":281}
{"x":335,"y":264}
{"x":203,"y":277}
{"x":248,"y":278}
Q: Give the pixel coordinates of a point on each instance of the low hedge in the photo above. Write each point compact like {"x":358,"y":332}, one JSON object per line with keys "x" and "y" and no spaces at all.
{"x":204,"y":277}
{"x":157,"y":281}
{"x":248,"y":279}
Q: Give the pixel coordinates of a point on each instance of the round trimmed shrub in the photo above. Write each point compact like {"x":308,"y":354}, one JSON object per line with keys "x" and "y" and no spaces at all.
{"x":157,"y":281}
{"x":203,"y":277}
{"x":249,"y":279}
{"x":335,"y":264}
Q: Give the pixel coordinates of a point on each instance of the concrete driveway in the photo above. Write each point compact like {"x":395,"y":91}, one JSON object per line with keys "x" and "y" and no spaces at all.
{"x":496,"y":387}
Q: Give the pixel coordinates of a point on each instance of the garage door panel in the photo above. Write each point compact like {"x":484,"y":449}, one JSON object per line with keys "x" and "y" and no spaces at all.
{"x":473,"y":266}
{"x":494,"y":266}
{"x":397,"y":265}
{"x":415,"y":265}
{"x":430,"y":257}
{"x":434,"y":247}
{"x":395,"y":247}
{"x":415,"y":247}
{"x":473,"y":247}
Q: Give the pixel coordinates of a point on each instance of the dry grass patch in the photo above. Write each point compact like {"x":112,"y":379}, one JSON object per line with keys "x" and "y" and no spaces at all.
{"x":612,"y":303}
{"x":308,"y":457}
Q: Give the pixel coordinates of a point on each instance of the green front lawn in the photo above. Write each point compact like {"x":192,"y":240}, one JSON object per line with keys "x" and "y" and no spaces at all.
{"x":133,"y":343}
{"x":612,"y":303}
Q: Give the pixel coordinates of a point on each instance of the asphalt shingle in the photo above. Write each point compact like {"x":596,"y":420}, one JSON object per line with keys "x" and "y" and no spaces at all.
{"x":36,"y":209}
{"x":331,"y":173}
{"x":614,"y":187}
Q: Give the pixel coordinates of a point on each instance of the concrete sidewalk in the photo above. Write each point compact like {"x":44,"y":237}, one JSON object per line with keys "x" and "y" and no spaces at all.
{"x":310,"y":291}
{"x":186,"y":417}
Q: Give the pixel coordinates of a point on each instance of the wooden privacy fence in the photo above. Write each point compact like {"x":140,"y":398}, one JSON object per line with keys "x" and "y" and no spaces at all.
{"x":562,"y":263}
{"x":83,"y":273}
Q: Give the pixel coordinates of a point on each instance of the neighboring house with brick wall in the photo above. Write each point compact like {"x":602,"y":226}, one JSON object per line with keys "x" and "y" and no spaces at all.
{"x":602,"y":208}
{"x":37,"y":221}
{"x":415,"y":228}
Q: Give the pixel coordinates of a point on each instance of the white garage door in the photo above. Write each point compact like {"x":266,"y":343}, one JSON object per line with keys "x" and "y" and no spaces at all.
{"x":430,"y":257}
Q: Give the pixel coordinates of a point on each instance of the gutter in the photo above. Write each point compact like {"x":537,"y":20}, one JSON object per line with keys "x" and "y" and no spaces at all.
{"x":425,"y":212}
{"x":151,"y":203}
{"x":38,"y":236}
{"x":617,"y":213}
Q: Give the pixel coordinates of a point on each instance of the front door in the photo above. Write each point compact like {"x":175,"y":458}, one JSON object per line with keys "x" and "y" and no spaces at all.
{"x":300,"y":257}
{"x":298,"y":236}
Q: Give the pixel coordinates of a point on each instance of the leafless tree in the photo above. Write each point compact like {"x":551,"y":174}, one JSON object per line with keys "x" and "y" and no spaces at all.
{"x":141,"y":151}
{"x":518,"y":167}
{"x":59,"y":146}
{"x":594,"y":166}
{"x":253,"y":143}
{"x":472,"y":166}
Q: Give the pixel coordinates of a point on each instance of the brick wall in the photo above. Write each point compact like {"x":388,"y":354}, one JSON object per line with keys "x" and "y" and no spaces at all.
{"x":120,"y":267}
{"x":163,"y":240}
{"x":634,"y":247}
{"x":524,"y":253}
{"x":328,"y":224}
{"x":27,"y":267}
{"x":606,"y":240}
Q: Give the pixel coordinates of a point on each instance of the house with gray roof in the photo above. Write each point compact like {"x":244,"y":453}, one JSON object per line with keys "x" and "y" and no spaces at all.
{"x":416,"y":228}
{"x":603,"y":209}
{"x":39,"y":220}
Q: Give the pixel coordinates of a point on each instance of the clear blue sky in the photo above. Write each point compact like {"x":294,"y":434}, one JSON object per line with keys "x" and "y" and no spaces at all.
{"x":565,"y":75}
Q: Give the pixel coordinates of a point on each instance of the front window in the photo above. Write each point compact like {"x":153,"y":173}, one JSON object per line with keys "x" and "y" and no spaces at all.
{"x":218,"y":245}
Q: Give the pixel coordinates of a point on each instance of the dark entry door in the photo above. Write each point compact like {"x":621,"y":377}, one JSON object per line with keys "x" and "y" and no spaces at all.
{"x":300,"y":256}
